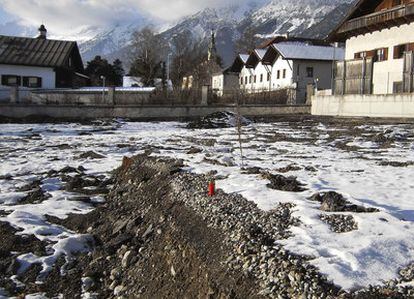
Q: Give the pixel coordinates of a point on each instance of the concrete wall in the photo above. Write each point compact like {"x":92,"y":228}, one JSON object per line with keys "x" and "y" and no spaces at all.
{"x":399,"y":106}
{"x":47,"y":74}
{"x":141,"y":112}
{"x":385,"y":72}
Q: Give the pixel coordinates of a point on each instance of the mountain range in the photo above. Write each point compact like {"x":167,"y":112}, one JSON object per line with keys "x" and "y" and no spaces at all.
{"x":307,"y":18}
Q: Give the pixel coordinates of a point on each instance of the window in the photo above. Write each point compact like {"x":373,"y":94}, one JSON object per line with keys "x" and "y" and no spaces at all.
{"x":309,"y":72}
{"x":245,"y":80}
{"x":284,"y":73}
{"x":360,"y":55}
{"x":10,"y":80}
{"x":398,"y":87}
{"x":381,"y":54}
{"x":401,"y":49}
{"x":261,"y":77}
{"x":254,"y":79}
{"x":268,"y":77}
{"x":241,"y":80}
{"x":32,"y":82}
{"x":250,"y":79}
{"x":278,"y":74}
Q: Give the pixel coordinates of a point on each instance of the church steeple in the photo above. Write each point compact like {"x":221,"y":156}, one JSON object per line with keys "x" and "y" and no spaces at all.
{"x":212,"y":49}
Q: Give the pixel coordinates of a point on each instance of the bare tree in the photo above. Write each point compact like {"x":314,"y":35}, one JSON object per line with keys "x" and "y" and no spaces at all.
{"x":188,"y":54}
{"x":148,"y":51}
{"x":247,"y":41}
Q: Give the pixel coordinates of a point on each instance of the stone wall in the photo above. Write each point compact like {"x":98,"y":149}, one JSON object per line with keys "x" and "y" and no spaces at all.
{"x":392,"y":105}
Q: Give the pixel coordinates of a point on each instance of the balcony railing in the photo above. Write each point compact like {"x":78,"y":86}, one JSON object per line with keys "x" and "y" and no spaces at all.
{"x":383,"y":19}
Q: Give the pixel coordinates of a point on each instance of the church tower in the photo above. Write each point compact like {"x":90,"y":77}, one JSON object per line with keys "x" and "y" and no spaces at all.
{"x":212,"y":49}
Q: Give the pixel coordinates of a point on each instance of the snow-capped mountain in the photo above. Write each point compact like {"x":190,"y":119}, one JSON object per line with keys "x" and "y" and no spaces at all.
{"x":312,"y":18}
{"x":267,"y":18}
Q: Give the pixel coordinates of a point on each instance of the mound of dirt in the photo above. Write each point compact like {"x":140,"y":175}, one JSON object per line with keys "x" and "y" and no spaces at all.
{"x":218,"y":120}
{"x":280,"y":182}
{"x":334,"y":202}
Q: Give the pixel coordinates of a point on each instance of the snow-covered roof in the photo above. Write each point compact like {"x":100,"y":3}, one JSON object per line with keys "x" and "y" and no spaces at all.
{"x":244,"y":57}
{"x":260,"y":52}
{"x":305,"y":51}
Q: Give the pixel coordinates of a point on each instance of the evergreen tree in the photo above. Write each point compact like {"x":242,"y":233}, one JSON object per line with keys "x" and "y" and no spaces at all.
{"x":101,"y":67}
{"x":118,"y":71}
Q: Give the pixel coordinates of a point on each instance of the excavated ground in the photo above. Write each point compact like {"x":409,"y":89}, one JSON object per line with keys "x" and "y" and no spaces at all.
{"x":160,"y":236}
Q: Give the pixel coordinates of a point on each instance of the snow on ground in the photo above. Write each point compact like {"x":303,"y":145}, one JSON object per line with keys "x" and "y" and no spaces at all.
{"x":328,"y":158}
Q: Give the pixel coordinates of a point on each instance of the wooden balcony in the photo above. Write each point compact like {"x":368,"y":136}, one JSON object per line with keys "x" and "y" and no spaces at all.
{"x":396,"y":16}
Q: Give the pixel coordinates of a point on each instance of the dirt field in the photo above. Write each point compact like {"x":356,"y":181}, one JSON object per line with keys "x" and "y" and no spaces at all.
{"x":315,"y":208}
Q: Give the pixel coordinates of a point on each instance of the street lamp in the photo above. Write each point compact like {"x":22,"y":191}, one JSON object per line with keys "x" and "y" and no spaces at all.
{"x":103,"y":78}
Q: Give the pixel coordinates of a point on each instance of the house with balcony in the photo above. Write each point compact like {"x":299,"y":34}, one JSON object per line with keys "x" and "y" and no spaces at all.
{"x":376,"y":78}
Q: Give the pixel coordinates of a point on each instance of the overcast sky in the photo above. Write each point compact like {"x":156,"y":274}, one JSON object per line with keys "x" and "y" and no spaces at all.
{"x":69,"y":15}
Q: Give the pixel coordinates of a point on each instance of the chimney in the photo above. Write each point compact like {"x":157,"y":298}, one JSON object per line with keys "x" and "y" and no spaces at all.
{"x":42,"y":32}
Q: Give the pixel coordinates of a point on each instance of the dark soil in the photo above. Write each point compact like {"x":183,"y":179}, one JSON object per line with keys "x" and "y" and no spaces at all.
{"x":91,"y":155}
{"x":217,"y":120}
{"x":334,"y":202}
{"x":13,"y":245}
{"x":35,"y":196}
{"x":280,"y":182}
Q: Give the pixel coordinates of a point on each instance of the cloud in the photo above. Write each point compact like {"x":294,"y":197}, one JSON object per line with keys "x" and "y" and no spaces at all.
{"x":70,"y":15}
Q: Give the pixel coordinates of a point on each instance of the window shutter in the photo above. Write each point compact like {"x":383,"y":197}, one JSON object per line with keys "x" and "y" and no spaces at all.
{"x":397,"y":52}
{"x":26,"y":81}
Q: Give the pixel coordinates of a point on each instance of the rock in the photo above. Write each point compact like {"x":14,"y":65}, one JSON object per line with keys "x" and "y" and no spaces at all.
{"x":194,"y":150}
{"x":115,"y":274}
{"x":87,"y":284}
{"x":118,"y":290}
{"x":126,"y":260}
{"x":173,"y":273}
{"x":91,"y":155}
{"x":148,"y":231}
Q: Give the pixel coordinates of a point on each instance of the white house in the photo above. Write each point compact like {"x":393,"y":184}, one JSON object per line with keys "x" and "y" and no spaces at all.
{"x":40,"y":62}
{"x":376,"y":79}
{"x":379,"y":37}
{"x":290,"y":63}
{"x":227,"y":81}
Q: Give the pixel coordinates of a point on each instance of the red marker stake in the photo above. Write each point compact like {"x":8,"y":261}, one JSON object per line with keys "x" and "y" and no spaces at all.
{"x":211,"y":188}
